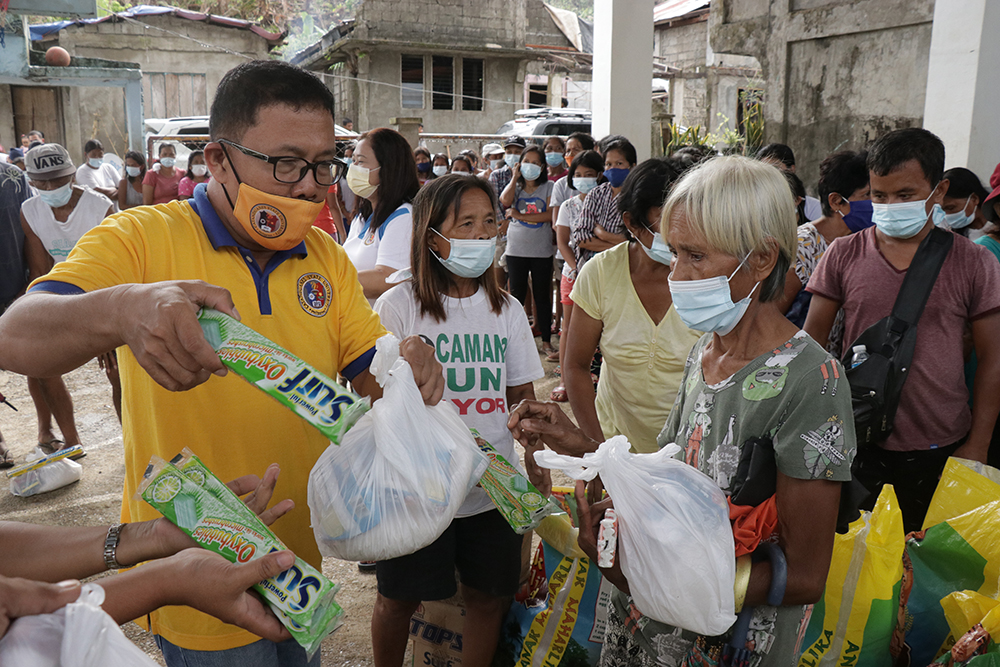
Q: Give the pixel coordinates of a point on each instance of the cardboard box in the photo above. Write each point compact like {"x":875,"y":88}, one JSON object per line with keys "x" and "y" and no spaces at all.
{"x":436,"y":629}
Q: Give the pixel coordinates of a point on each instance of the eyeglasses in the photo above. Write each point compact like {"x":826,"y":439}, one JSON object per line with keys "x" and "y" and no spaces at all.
{"x":289,"y":169}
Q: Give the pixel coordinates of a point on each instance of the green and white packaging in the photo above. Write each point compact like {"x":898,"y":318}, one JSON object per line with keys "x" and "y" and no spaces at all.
{"x":514,"y":496}
{"x":307,"y":392}
{"x":201,"y":505}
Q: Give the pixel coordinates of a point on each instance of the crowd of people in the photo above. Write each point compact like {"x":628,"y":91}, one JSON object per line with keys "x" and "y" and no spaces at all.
{"x":702,"y":300}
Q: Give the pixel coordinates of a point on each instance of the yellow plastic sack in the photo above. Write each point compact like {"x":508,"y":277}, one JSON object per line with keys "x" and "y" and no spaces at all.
{"x":965,"y":609}
{"x":854,"y":622}
{"x":964,"y":486}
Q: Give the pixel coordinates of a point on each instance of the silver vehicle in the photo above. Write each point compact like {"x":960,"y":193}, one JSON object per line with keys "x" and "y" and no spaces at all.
{"x":548,"y":121}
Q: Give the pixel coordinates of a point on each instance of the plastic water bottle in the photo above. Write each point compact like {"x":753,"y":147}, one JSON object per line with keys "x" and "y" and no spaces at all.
{"x":860,"y":355}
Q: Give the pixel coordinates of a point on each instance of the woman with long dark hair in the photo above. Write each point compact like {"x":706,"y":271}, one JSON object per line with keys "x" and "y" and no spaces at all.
{"x":130,"y":187}
{"x":455,"y":296}
{"x":384,"y":176}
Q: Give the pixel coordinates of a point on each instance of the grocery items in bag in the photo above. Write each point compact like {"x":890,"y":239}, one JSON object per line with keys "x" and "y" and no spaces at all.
{"x":81,"y":634}
{"x":304,"y":390}
{"x":43,"y":473}
{"x":673,"y":532}
{"x":514,"y":496}
{"x":198,"y":503}
{"x":400,"y":474}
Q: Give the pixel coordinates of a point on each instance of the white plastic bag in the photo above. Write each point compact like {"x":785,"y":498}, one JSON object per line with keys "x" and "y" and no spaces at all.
{"x":80,"y":634}
{"x":400,"y":474}
{"x":675,"y":540}
{"x":49,"y":477}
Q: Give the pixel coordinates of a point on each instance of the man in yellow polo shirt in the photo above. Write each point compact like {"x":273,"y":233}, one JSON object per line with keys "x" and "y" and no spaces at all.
{"x":244,"y":244}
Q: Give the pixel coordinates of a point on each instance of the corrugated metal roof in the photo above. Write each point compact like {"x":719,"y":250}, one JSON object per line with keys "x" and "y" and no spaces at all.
{"x":673,"y":9}
{"x":41,"y":30}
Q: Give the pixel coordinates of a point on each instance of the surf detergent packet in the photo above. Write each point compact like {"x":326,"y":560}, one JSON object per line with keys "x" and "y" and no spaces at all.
{"x":515,"y":497}
{"x":196,"y":501}
{"x":307,"y":392}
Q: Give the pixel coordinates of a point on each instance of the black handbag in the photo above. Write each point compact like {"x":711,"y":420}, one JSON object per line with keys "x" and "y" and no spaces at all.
{"x":876,"y":383}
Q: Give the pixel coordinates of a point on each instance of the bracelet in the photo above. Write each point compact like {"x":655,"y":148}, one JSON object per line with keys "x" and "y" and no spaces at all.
{"x":742,"y":582}
{"x":111,"y":546}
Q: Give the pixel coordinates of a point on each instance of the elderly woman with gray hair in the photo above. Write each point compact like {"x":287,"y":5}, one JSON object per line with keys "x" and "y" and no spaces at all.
{"x":753,"y":382}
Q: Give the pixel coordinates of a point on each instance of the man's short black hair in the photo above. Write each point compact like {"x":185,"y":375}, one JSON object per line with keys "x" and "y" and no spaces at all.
{"x":645,"y":188}
{"x":845,"y":173}
{"x":249,"y":87}
{"x":891,"y":151}
{"x":37,"y":132}
{"x":779,"y":152}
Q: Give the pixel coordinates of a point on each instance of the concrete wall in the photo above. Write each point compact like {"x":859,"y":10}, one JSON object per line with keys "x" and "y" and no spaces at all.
{"x":838,"y":72}
{"x":100,"y":112}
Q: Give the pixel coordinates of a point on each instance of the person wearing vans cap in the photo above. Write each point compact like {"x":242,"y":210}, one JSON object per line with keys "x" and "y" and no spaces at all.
{"x":53,"y":221}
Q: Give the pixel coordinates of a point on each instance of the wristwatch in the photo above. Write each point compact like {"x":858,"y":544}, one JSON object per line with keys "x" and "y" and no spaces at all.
{"x":111,"y":546}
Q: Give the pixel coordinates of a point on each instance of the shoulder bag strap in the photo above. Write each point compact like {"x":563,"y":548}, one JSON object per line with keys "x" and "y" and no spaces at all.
{"x":920,"y":279}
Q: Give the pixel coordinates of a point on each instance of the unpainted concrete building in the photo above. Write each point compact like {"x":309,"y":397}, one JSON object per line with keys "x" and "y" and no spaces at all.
{"x":183,"y":56}
{"x":838,"y":73}
{"x":462,"y":66}
{"x":705,"y":85}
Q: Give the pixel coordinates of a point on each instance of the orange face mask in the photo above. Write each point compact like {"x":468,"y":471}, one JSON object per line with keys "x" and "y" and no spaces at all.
{"x":273,"y":221}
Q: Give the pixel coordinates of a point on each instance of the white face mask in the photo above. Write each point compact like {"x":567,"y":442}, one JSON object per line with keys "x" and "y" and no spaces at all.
{"x":95,"y":162}
{"x":168,"y":162}
{"x":439,"y":170}
{"x":496,"y":164}
{"x":199,"y":170}
{"x":133,"y":171}
{"x":58,"y":197}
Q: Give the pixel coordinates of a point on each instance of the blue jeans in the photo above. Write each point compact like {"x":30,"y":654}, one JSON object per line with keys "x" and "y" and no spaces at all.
{"x":263,"y":653}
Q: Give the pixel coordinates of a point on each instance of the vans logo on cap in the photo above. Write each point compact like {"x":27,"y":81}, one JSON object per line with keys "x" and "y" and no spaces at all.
{"x":43,"y":162}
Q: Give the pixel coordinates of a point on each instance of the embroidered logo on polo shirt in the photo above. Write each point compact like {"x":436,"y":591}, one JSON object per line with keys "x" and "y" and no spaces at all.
{"x":314,"y":294}
{"x":268,"y":221}
{"x":370,"y":235}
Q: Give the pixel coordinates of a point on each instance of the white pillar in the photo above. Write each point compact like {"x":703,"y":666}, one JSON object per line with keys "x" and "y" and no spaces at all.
{"x":963,"y":83}
{"x":623,"y":71}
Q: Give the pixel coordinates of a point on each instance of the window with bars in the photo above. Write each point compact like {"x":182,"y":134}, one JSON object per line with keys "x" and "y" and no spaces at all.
{"x":443,"y":82}
{"x":472,"y":84}
{"x":411,"y":77}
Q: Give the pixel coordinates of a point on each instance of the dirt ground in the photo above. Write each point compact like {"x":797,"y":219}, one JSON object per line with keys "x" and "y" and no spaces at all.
{"x":96,"y":499}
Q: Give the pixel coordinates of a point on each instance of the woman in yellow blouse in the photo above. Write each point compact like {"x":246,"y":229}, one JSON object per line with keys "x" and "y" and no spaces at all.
{"x":623,"y":304}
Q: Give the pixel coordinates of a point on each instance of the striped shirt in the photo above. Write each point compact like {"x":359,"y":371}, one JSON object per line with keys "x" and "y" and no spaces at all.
{"x":599,"y":208}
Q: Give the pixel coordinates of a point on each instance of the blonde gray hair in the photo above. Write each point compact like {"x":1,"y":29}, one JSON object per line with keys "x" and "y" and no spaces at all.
{"x":741,"y":206}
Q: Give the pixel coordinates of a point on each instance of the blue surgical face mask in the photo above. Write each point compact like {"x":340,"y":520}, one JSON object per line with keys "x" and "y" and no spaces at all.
{"x":707,"y":305}
{"x":168,"y":162}
{"x":530,"y":171}
{"x":348,"y":161}
{"x":616,"y":176}
{"x":511,"y":159}
{"x":58,"y":197}
{"x":95,"y":162}
{"x":496,"y":164}
{"x":860,"y":216}
{"x":553,"y":159}
{"x":133,"y":171}
{"x":905,"y":219}
{"x":469,"y":258}
{"x":659,"y":251}
{"x":585,"y":184}
{"x":423,"y":167}
{"x":958,"y":219}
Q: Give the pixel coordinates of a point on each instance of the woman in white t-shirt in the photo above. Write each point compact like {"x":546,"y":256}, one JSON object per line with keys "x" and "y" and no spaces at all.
{"x":583,"y":176}
{"x":384,"y":176}
{"x":483,"y":341}
{"x":95,"y":174}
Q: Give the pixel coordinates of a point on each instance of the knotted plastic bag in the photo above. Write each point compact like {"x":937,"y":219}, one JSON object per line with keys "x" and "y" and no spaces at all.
{"x":675,"y":543}
{"x":80,"y":634}
{"x":399,"y":475}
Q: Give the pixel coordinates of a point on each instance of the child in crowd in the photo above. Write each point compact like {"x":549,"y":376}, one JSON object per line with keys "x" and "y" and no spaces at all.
{"x":484,"y":344}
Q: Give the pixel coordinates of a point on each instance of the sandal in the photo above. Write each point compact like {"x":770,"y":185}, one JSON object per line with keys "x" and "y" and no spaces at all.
{"x":557,"y":371}
{"x":6,"y":458}
{"x":558,"y":395}
{"x":51,"y":446}
{"x":548,"y":351}
{"x":553,"y":355}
